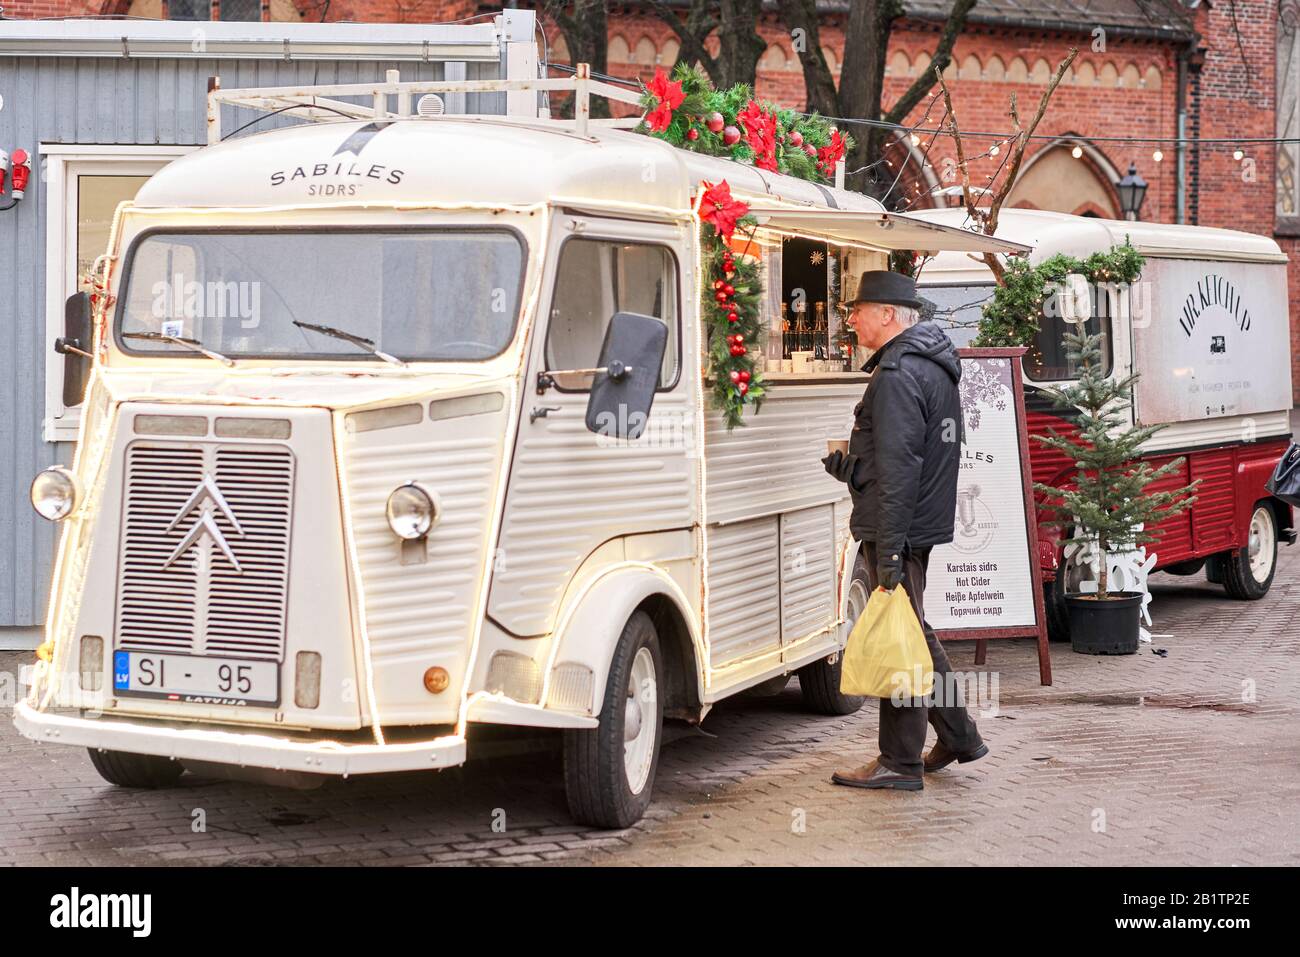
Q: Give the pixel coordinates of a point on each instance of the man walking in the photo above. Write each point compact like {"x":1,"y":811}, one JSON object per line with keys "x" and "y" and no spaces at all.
{"x":901,"y":470}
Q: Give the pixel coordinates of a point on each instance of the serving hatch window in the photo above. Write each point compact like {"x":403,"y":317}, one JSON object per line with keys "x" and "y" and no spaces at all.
{"x":418,"y":295}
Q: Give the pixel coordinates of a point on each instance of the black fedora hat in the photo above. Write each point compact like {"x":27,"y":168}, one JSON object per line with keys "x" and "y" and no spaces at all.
{"x":889,"y":288}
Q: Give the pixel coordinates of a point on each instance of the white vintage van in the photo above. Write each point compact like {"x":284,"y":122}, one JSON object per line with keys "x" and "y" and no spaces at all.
{"x":336,"y":498}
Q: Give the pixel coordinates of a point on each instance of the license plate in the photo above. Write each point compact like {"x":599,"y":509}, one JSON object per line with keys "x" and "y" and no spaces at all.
{"x":196,"y":680}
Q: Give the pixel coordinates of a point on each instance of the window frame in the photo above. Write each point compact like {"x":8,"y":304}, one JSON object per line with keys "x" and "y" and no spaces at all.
{"x":323,"y":229}
{"x":1109,"y":351}
{"x":610,"y":237}
{"x":63,"y":165}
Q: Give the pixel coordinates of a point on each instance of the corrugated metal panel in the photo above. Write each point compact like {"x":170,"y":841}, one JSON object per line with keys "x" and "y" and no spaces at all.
{"x":773,"y":463}
{"x":571,"y":490}
{"x":807,"y":571}
{"x":744,"y":590}
{"x":420,"y":609}
{"x":104,"y":101}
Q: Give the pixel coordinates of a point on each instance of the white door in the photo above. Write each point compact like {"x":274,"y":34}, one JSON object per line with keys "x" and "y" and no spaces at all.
{"x":571,"y":490}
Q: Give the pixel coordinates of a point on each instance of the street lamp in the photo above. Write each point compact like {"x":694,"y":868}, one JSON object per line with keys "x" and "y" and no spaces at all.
{"x":1132,"y":190}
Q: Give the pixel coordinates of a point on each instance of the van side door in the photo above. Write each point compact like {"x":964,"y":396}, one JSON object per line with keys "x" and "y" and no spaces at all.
{"x":572,"y":490}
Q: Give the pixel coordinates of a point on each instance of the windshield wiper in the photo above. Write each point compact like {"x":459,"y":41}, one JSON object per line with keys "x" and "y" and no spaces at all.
{"x":362,"y":341}
{"x":190,"y":344}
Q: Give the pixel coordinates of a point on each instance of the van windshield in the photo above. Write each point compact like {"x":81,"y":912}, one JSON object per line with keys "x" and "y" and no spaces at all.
{"x":958,"y":308}
{"x":419,"y":295}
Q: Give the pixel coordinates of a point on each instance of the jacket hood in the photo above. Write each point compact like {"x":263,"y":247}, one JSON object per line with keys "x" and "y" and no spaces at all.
{"x":923,"y":339}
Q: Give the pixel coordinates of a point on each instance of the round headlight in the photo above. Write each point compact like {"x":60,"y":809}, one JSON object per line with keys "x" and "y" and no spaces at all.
{"x":54,"y":493}
{"x":411,"y":512}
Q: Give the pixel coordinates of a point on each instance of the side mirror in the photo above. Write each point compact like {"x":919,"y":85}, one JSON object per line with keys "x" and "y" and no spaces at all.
{"x":74,"y":346}
{"x":624,"y":387}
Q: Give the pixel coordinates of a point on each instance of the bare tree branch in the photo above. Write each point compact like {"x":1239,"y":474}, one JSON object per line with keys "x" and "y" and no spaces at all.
{"x":914,"y":94}
{"x":1020,"y":140}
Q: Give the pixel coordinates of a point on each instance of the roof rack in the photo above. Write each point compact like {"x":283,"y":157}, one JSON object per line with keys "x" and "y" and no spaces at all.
{"x":319,"y":103}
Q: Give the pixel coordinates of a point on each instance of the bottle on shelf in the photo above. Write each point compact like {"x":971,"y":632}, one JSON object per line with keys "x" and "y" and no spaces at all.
{"x":820,"y":332}
{"x":785,"y":331}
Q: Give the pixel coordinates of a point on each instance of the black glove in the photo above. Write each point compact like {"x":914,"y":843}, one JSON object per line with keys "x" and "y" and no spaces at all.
{"x":840,"y":466}
{"x":889,"y":572}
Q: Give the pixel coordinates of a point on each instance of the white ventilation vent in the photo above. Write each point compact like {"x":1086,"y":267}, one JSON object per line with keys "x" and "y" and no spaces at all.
{"x":430,"y":105}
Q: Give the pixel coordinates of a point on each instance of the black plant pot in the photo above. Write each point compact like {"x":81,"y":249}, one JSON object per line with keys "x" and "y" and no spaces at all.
{"x":1104,"y":627}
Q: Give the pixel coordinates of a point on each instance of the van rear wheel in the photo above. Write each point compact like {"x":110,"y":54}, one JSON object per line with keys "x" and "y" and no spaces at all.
{"x":609,"y":771}
{"x":819,"y":682}
{"x":1248,"y":571}
{"x":128,"y":770}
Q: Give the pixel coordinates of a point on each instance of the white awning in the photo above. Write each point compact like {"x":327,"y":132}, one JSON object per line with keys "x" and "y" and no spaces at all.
{"x":879,"y":230}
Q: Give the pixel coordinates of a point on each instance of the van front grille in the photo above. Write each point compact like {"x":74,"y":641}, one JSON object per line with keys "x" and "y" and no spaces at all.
{"x":205,"y":549}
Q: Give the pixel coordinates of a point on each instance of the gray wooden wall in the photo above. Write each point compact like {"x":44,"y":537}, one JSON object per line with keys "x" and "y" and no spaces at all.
{"x":106,"y":101}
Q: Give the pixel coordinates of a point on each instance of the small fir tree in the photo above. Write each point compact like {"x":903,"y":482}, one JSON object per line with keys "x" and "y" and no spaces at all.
{"x":1109,"y":497}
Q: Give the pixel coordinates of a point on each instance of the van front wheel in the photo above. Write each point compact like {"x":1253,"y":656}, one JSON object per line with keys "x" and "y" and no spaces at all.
{"x":609,"y":771}
{"x":135,"y":770}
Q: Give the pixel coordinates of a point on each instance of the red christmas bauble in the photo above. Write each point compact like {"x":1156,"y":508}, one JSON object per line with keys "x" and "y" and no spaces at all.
{"x":742,"y":387}
{"x":795,"y":138}
{"x":810,"y":150}
{"x":744,"y":375}
{"x":739,"y":338}
{"x":729,"y":289}
{"x":735,"y":350}
{"x":692,"y":134}
{"x":720,"y":296}
{"x":735,"y":376}
{"x":731,"y":136}
{"x":732,"y":317}
{"x":715,"y":122}
{"x":718,"y":284}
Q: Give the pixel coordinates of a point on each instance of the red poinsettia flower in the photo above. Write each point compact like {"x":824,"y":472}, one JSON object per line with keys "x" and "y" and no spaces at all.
{"x":720,"y":210}
{"x":760,"y":133}
{"x":828,"y":156}
{"x":669,"y":96}
{"x":660,"y":118}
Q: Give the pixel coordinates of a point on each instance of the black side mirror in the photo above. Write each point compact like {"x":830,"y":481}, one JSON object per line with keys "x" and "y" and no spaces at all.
{"x":74,"y":346}
{"x":624,"y":387}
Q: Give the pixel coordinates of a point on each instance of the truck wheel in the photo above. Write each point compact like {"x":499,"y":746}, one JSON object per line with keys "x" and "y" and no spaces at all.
{"x":609,"y":771}
{"x":128,"y":770}
{"x":819,"y":682}
{"x":1058,"y":618}
{"x":1248,"y":572}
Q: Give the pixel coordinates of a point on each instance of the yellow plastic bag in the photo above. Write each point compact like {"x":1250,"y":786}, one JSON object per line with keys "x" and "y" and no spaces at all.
{"x":886,"y":652}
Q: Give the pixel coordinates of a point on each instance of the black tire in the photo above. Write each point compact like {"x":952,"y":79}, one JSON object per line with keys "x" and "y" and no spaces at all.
{"x":1058,"y":616}
{"x":128,"y":770}
{"x":595,"y":774}
{"x":819,"y":682}
{"x":1240,"y":580}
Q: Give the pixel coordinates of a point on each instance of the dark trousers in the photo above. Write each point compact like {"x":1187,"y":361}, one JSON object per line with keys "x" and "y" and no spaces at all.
{"x":902,"y":726}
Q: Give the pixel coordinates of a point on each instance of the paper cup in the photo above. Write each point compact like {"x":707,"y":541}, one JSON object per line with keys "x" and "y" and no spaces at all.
{"x":836,"y":445}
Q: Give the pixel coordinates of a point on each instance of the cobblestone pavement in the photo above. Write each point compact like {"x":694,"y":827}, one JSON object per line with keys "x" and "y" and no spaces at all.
{"x":1133,"y":760}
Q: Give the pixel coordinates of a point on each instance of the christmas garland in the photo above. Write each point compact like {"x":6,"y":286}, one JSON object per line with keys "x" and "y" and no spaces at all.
{"x":730,"y":307}
{"x":1011,"y":317}
{"x":689,"y":113}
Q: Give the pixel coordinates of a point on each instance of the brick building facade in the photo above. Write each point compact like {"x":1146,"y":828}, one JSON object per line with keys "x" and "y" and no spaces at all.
{"x":1139,"y":60}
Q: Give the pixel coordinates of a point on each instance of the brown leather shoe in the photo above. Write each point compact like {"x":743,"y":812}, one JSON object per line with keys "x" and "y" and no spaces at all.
{"x":940,"y":756}
{"x":876,"y":775}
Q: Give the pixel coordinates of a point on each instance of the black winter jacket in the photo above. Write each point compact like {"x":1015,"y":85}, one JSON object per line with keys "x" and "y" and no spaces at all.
{"x":906,"y":443}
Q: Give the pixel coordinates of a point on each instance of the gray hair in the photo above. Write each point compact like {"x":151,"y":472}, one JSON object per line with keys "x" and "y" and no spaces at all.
{"x":907,"y":315}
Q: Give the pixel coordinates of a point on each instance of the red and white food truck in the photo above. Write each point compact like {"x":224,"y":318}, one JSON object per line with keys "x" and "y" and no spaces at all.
{"x":1206,"y":326}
